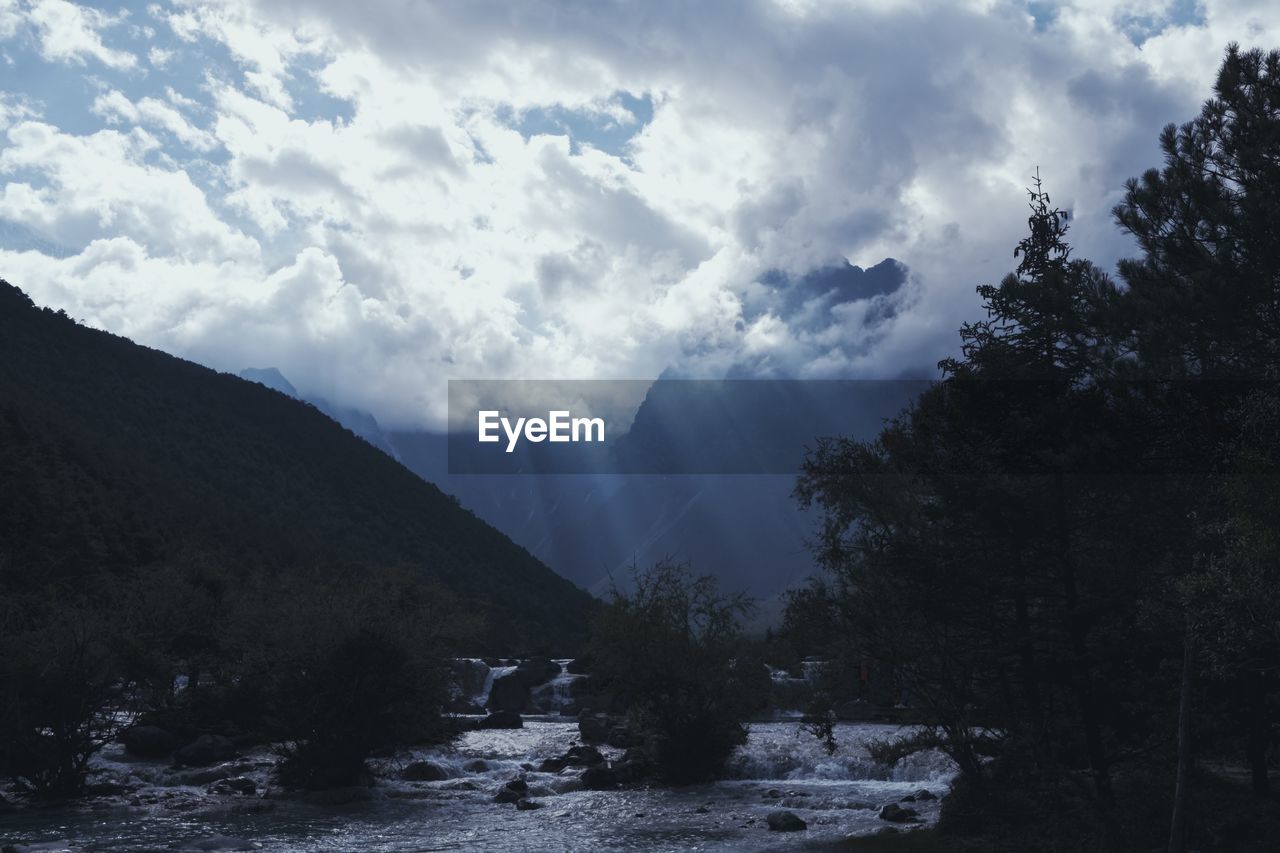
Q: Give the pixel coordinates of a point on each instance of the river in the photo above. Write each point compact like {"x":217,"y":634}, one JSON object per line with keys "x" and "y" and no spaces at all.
{"x":781,"y":767}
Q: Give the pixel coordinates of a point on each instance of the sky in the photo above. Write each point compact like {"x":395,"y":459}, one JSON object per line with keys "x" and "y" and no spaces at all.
{"x":377,"y":197}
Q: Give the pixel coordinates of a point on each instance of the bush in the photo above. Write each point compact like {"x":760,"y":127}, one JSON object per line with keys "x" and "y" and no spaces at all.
{"x":352,"y":668}
{"x":60,"y":690}
{"x":671,"y":652}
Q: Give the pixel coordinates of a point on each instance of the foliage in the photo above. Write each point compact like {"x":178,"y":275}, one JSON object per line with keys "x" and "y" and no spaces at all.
{"x":353,"y":669}
{"x":116,"y":457}
{"x":670,"y":650}
{"x":335,"y":666}
{"x":60,"y":686}
{"x":1090,"y":489}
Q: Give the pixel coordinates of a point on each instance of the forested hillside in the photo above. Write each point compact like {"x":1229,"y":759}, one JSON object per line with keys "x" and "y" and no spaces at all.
{"x":114,"y":456}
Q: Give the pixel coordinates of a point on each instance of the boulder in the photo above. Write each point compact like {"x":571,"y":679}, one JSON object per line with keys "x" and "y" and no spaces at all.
{"x":423,"y":771}
{"x":205,"y":750}
{"x":509,"y":693}
{"x":527,"y":805}
{"x":552,"y":765}
{"x":599,"y":778}
{"x":578,"y":666}
{"x":469,"y":675}
{"x":149,"y":742}
{"x":239,"y":785}
{"x":477,"y":765}
{"x":785,"y":822}
{"x":593,"y":728}
{"x":631,"y":768}
{"x":535,"y":671}
{"x":501,"y":720}
{"x":585,"y":756}
{"x":895,"y":813}
{"x":512,"y":792}
{"x":925,"y":794}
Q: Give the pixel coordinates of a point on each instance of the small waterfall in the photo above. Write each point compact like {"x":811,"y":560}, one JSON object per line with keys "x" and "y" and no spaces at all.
{"x":494,"y":673}
{"x":812,"y":669}
{"x":790,"y":696}
{"x":557,"y":693}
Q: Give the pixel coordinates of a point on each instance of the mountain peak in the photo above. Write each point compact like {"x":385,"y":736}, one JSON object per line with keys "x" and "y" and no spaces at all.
{"x":272,"y":378}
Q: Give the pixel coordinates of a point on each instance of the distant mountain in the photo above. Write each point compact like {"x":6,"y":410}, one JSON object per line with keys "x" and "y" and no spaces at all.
{"x":272,"y":378}
{"x":746,"y":530}
{"x":113,"y":455}
{"x":744,"y":526}
{"x":358,"y":421}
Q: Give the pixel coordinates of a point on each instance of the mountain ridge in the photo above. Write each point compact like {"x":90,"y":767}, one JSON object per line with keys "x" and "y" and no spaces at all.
{"x":117,"y":455}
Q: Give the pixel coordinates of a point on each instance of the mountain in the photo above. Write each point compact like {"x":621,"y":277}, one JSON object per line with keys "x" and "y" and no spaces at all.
{"x":358,"y":421}
{"x":113,"y":455}
{"x":721,"y":458}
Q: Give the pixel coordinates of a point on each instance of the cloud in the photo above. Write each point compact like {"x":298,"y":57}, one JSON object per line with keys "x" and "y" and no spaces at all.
{"x":11,"y":19}
{"x":375,"y":198}
{"x":72,"y":33}
{"x":115,"y":107}
{"x":159,"y":57}
{"x":78,"y":189}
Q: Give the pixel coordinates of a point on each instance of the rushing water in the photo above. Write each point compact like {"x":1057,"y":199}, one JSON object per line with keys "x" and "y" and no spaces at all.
{"x":780,"y":768}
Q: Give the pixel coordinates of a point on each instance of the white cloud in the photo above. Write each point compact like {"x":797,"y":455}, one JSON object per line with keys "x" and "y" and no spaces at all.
{"x":115,"y":107}
{"x":159,"y":57}
{"x":264,"y":50}
{"x":102,"y":185}
{"x":372,"y":250}
{"x":11,"y":18}
{"x":14,"y":109}
{"x":72,"y":33}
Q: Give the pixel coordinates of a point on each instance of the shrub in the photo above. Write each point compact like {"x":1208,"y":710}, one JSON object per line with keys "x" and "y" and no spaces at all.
{"x":60,"y":691}
{"x":352,"y":668}
{"x":671,"y":651}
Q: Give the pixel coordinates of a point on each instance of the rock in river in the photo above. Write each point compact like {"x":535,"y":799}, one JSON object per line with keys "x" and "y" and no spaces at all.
{"x":206,"y":750}
{"x":786,"y":822}
{"x":501,"y":720}
{"x":423,"y":771}
{"x":895,"y":813}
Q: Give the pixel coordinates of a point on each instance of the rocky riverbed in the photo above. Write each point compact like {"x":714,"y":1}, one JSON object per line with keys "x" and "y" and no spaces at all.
{"x":448,"y":801}
{"x":560,"y":779}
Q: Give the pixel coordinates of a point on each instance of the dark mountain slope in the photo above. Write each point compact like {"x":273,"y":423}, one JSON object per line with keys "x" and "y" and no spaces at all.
{"x":113,"y":455}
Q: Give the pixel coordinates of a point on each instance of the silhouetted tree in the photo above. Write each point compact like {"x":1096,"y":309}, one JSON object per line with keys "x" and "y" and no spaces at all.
{"x":671,"y":650}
